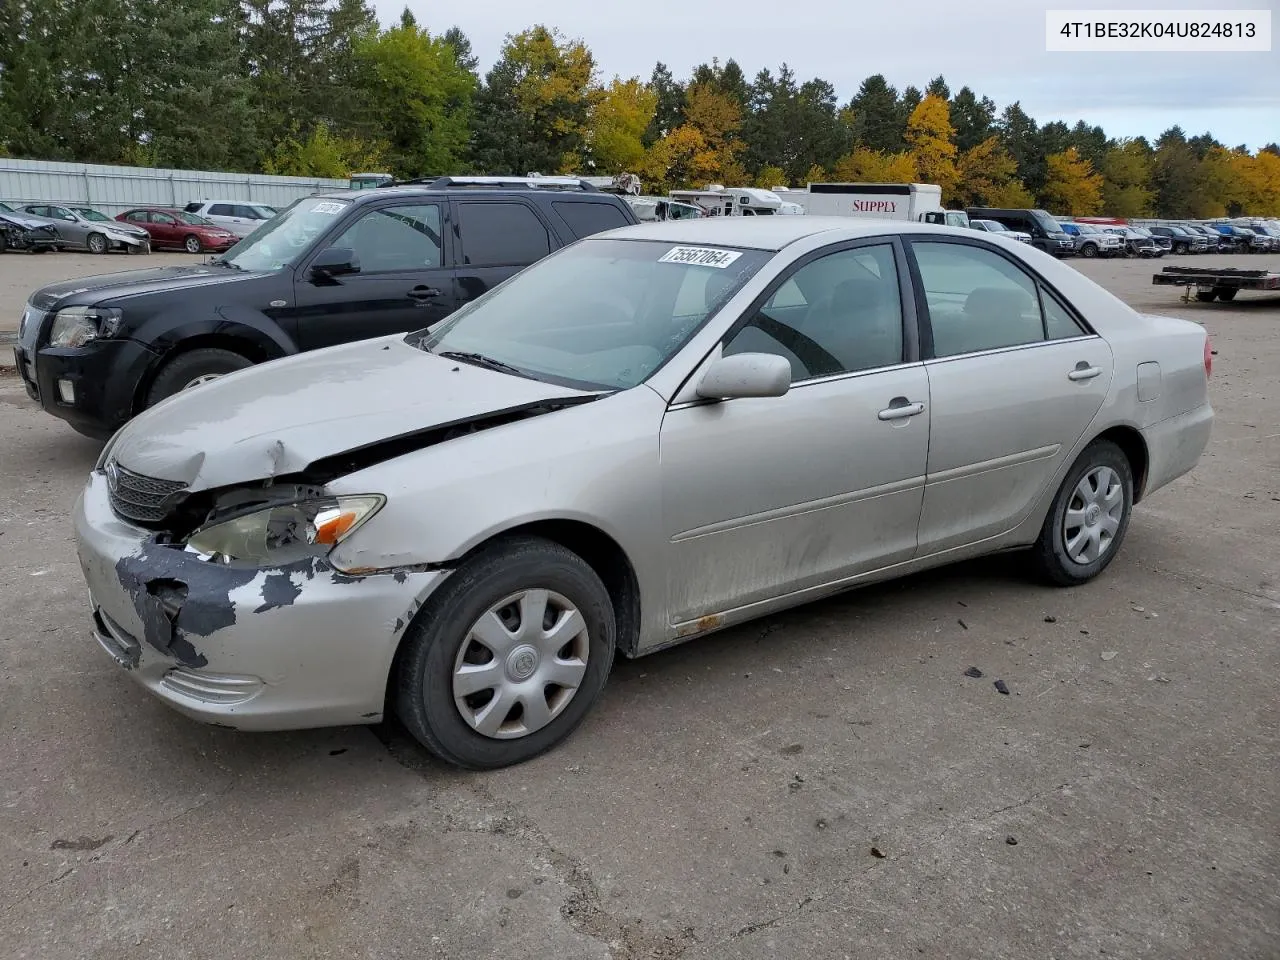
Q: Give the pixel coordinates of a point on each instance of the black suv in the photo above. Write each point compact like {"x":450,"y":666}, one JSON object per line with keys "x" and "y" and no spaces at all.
{"x":1046,"y":233}
{"x":332,"y":268}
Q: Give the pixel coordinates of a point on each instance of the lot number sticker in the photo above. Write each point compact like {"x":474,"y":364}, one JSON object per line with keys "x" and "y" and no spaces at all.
{"x":328,"y":207}
{"x":700,"y":256}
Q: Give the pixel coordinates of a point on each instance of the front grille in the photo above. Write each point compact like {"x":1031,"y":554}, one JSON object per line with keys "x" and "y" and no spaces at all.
{"x":138,"y":498}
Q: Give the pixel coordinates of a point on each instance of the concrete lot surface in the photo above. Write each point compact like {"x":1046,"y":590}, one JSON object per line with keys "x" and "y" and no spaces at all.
{"x":821,"y":784}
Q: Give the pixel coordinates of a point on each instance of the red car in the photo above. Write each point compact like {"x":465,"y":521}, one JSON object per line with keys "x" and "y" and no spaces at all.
{"x":179,"y":230}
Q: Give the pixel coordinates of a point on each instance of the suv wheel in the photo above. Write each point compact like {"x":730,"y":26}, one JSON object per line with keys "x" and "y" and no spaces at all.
{"x":1089,"y":250}
{"x":508,"y":655}
{"x":192,"y":244}
{"x":1089,"y":517}
{"x":192,"y":369}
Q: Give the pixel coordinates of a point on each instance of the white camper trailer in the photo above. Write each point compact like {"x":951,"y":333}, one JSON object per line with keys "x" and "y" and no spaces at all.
{"x":719,"y":201}
{"x":879,"y":201}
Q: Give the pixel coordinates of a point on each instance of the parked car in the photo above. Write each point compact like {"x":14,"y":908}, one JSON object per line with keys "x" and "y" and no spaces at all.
{"x":330,"y":269}
{"x":1164,"y":243}
{"x":1217,"y":242}
{"x":1046,"y":233}
{"x":83,"y":228}
{"x":995,"y":226}
{"x":1182,"y":239}
{"x":1092,"y":242}
{"x":240,"y":217}
{"x":1136,"y":243}
{"x":178,"y":230}
{"x":468,"y":523}
{"x":1271,"y":230}
{"x":21,"y":231}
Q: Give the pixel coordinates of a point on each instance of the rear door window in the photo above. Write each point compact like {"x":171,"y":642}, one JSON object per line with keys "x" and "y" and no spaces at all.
{"x":222,"y":210}
{"x":501,"y":234}
{"x":586,"y":217}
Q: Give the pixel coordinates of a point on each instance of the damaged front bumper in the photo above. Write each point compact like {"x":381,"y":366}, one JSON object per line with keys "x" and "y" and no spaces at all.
{"x":249,"y":648}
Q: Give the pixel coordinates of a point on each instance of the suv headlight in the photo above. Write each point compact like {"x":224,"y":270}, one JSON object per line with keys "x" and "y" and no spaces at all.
{"x":285,"y":533}
{"x":76,"y":326}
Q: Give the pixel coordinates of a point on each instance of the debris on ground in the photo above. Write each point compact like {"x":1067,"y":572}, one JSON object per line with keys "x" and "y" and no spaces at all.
{"x":1139,"y":609}
{"x":1050,"y":619}
{"x":1002,"y":687}
{"x":973,"y":672}
{"x":878,"y":853}
{"x":963,"y":624}
{"x":1011,"y":841}
{"x":1108,"y":654}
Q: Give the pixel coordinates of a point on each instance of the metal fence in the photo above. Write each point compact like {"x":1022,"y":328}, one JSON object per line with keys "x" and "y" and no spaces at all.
{"x":115,"y":189}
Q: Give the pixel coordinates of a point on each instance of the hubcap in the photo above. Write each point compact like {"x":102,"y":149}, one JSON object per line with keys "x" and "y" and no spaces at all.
{"x":204,"y":378}
{"x":1093,"y":515}
{"x":520,"y":664}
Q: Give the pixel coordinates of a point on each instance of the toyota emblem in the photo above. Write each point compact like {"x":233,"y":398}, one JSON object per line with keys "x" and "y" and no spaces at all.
{"x":113,"y":475}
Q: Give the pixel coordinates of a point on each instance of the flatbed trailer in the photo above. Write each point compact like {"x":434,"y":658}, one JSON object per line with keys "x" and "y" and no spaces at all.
{"x":1212,"y":284}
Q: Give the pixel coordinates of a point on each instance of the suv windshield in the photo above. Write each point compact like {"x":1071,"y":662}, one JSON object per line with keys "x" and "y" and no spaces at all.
{"x":91,"y":214}
{"x":599,"y":315}
{"x":284,"y":238}
{"x":1047,"y":223}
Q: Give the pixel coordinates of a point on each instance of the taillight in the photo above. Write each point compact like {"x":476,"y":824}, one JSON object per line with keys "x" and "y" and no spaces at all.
{"x":1208,"y":357}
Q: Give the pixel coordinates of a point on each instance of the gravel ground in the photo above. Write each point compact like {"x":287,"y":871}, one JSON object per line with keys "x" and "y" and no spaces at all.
{"x":825,"y":783}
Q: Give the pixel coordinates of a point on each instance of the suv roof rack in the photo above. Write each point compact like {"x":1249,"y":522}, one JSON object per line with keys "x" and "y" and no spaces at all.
{"x":514,"y":183}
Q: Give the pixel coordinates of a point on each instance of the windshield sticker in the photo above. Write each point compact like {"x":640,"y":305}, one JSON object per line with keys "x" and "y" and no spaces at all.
{"x":700,"y":257}
{"x":327,"y":206}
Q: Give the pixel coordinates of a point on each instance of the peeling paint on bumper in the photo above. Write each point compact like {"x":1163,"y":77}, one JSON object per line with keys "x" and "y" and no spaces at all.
{"x":287,"y":648}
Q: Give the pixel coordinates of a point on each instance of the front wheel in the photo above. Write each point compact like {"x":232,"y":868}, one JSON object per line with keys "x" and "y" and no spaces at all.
{"x":192,"y":244}
{"x":507,"y":657}
{"x":1226,"y":294}
{"x":1089,"y":517}
{"x":1089,"y":250}
{"x":96,"y":243}
{"x":1206,"y":296}
{"x":193,"y":369}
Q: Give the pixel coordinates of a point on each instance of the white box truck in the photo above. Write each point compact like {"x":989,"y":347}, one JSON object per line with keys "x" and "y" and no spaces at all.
{"x":876,"y":201}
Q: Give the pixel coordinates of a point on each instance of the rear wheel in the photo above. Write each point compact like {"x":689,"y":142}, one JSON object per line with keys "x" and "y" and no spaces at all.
{"x":192,"y":244}
{"x":1206,"y":296}
{"x":1089,"y":517}
{"x":1226,"y":294}
{"x":96,"y":243}
{"x":192,"y":369}
{"x":507,"y":657}
{"x":1180,"y":248}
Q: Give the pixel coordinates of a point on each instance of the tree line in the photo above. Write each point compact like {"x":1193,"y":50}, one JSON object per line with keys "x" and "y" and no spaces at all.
{"x":318,"y":88}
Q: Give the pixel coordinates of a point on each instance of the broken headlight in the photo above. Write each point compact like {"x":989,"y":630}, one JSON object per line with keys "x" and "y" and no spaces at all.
{"x":285,"y":533}
{"x":76,"y":326}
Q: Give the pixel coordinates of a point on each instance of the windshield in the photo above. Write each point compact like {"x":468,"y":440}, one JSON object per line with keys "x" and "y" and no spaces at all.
{"x":995,"y":226}
{"x":195,"y":220}
{"x":286,"y":236}
{"x":599,"y":315}
{"x":5,"y":208}
{"x":90,"y":214}
{"x":267,"y":212}
{"x":1047,"y":223}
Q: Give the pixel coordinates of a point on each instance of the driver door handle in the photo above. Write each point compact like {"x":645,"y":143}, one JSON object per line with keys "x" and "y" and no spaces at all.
{"x":424,"y":293}
{"x":1084,"y":372}
{"x":900,"y":408}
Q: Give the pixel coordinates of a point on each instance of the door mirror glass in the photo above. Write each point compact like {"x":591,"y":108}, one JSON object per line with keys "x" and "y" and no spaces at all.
{"x":746,"y":375}
{"x":335,"y":262}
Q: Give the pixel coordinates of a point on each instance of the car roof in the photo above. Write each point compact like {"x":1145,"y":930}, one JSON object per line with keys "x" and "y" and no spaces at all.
{"x":467,"y":189}
{"x":767,"y":233}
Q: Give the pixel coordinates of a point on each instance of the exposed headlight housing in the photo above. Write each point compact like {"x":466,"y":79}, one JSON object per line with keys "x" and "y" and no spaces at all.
{"x":285,"y":533}
{"x":76,"y":326}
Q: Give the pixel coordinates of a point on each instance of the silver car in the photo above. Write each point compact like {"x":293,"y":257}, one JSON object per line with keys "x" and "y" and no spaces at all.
{"x":655,"y":433}
{"x":240,"y":217}
{"x":83,"y":228}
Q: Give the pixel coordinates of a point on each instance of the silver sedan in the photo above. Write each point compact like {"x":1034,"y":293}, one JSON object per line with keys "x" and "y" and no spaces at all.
{"x":653,"y":434}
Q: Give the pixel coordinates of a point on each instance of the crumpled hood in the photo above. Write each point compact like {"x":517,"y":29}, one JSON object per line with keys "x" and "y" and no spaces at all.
{"x":91,"y":291}
{"x":277,"y":418}
{"x":26,"y":220}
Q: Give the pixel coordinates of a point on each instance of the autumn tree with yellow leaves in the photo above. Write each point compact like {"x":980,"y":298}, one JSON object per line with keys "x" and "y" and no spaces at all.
{"x":1071,"y":186}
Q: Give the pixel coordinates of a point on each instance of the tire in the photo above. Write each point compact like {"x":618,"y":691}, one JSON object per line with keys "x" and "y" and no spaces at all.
{"x":43,"y":249}
{"x":97,"y":244}
{"x":1226,"y":294}
{"x":440,"y":641}
{"x":192,"y":244}
{"x":182,"y":371}
{"x":4,"y":243}
{"x":1052,"y":554}
{"x":1180,"y":248}
{"x":1089,"y":251}
{"x":1206,"y":296}
{"x":137,"y":250}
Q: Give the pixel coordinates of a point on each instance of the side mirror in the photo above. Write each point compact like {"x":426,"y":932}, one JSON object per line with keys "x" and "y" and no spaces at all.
{"x":334,"y":262}
{"x":746,"y":375}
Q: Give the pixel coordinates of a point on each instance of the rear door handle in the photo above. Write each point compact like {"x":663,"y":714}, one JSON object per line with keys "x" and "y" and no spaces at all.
{"x":900,"y":408}
{"x":424,"y":293}
{"x":1084,"y":372}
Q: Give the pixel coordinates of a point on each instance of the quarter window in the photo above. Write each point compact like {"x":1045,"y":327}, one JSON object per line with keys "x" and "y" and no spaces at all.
{"x":838,"y":314}
{"x":586,"y":217}
{"x":1058,"y":321}
{"x":978,"y":300}
{"x":395,"y":238}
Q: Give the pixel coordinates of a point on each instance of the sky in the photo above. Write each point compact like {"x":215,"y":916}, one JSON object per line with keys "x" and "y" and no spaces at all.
{"x":996,"y":47}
